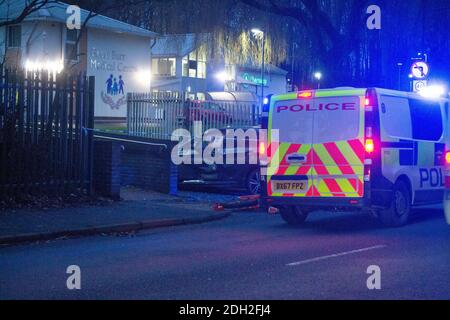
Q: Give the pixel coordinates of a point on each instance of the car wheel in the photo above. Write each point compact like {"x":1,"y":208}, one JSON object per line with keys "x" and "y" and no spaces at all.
{"x":398,"y":213}
{"x":293,"y":215}
{"x":253,"y":182}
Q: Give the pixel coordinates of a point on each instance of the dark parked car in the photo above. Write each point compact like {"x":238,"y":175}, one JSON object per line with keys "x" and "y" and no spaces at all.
{"x":245,"y":176}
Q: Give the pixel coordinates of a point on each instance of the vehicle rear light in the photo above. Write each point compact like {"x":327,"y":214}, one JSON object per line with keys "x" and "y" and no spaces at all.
{"x":447,"y":157}
{"x":262,"y":148}
{"x":305,"y":95}
{"x":370,"y":146}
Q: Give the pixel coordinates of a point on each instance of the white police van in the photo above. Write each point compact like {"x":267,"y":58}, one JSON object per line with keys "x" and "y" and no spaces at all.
{"x":343,"y":148}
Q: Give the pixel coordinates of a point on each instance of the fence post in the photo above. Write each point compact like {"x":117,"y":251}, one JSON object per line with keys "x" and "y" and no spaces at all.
{"x":90,"y":127}
{"x":129,"y":99}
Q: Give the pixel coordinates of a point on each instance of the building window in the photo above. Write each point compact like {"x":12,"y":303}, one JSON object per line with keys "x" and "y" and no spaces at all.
{"x":72,"y":46}
{"x":14,"y":36}
{"x":194,"y":64}
{"x":164,"y":67}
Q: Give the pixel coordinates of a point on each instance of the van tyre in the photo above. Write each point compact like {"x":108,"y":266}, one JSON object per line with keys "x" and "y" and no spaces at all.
{"x":397,"y":215}
{"x":293,"y":215}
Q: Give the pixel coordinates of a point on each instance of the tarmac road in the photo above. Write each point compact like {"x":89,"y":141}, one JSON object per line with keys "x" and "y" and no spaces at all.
{"x":247,"y":256}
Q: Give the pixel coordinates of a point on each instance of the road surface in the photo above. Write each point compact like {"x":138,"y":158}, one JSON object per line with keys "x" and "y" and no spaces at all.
{"x":247,"y":256}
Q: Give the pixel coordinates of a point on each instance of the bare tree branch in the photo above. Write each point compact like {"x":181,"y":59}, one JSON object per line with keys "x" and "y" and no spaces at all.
{"x":30,"y":8}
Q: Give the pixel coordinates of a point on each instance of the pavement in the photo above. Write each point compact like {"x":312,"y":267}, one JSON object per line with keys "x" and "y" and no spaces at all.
{"x":249,"y":255}
{"x":139,"y":210}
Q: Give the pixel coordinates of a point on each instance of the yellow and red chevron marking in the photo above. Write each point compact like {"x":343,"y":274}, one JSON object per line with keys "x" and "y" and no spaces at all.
{"x":334,"y":169}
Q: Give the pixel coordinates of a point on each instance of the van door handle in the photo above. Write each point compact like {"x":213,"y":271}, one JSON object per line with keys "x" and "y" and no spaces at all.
{"x":296,"y":158}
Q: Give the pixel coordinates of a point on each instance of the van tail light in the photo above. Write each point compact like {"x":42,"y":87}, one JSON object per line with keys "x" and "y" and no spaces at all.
{"x":370,"y":146}
{"x":447,"y":158}
{"x":262,"y":149}
{"x":447,"y":171}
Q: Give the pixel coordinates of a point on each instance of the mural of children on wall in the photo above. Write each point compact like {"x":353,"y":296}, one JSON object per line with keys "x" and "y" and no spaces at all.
{"x":114,"y":88}
{"x":121,"y":84}
{"x":109,"y":84}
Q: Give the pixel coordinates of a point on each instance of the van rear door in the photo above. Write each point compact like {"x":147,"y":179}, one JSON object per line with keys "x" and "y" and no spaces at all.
{"x":338,"y":145}
{"x":321,"y":145}
{"x":290,"y":167}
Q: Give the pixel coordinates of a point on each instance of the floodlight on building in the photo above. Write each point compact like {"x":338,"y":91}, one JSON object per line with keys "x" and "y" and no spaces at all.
{"x":223,"y":76}
{"x":50,"y":66}
{"x":144,"y":76}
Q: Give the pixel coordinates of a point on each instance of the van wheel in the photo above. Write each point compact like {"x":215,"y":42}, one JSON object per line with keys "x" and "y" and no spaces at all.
{"x":293,"y":215}
{"x":398,"y":213}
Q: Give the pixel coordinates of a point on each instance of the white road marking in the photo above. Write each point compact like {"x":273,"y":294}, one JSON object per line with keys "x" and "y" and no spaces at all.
{"x":336,"y":255}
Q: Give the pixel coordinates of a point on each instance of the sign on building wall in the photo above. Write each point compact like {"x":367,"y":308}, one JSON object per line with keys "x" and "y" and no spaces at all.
{"x":120,"y":64}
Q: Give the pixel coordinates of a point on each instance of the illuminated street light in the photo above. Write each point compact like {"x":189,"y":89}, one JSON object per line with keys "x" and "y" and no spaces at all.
{"x":318,"y":77}
{"x":257,"y":32}
{"x":223,"y":76}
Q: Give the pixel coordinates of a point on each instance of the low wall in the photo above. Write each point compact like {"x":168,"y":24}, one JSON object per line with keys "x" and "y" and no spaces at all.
{"x":138,"y":163}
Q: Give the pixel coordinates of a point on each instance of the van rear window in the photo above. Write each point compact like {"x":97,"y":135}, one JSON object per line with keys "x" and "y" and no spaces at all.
{"x":340,"y":121}
{"x":294,"y":126}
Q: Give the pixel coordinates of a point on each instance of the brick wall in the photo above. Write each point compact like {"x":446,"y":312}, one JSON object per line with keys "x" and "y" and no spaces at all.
{"x":134,"y":164}
{"x":148,"y":166}
{"x":106,"y":176}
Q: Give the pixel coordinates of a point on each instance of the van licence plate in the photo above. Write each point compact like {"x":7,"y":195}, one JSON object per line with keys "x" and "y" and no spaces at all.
{"x":298,"y":186}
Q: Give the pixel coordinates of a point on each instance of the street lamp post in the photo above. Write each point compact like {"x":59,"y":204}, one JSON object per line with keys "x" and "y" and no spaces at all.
{"x":261,"y":34}
{"x":318,"y":76}
{"x":399,"y":65}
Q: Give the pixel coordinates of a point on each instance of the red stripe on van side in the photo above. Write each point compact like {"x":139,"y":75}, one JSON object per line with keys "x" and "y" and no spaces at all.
{"x":312,"y":192}
{"x":339,"y":158}
{"x":358,"y":148}
{"x":354,"y":183}
{"x":334,"y":187}
{"x":321,"y":170}
{"x":318,"y":164}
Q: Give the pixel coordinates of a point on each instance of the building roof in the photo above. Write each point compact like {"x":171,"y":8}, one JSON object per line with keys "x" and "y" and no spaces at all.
{"x":56,"y":12}
{"x":239,"y":97}
{"x":178,"y":45}
{"x":269,"y":68}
